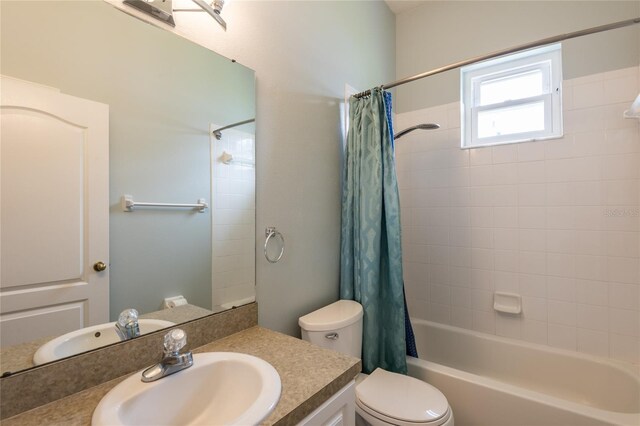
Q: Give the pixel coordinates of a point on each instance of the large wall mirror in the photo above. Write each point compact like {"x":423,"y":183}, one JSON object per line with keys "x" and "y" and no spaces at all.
{"x":161,"y":96}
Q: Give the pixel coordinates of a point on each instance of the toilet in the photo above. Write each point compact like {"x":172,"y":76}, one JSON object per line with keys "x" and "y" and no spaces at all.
{"x":382,"y":398}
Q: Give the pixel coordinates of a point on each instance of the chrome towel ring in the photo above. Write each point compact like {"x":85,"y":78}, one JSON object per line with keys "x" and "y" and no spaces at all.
{"x":271,"y":232}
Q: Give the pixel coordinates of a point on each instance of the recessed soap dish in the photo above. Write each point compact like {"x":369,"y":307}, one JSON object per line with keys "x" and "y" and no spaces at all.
{"x":509,"y":303}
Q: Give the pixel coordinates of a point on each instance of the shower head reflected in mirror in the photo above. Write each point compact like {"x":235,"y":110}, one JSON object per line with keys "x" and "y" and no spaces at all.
{"x":428,"y":126}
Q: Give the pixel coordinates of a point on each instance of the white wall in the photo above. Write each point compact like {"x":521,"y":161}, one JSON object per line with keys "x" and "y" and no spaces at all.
{"x":555,"y":221}
{"x":303,"y":53}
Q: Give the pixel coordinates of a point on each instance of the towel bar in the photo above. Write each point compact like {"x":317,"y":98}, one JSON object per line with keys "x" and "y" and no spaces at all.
{"x":128,"y":204}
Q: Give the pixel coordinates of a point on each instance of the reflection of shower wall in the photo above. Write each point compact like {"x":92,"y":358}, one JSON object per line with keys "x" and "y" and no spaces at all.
{"x":555,"y":221}
{"x":233,"y":218}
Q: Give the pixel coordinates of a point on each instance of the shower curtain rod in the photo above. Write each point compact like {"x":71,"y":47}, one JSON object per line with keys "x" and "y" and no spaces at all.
{"x":542,"y":42}
{"x":218,"y":132}
{"x":239,"y":123}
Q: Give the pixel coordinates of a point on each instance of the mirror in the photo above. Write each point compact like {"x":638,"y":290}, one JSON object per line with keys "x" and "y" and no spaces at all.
{"x":164,"y":96}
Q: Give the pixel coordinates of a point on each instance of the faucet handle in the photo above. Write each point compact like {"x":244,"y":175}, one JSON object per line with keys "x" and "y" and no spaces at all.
{"x":175,"y":340}
{"x":127,"y":317}
{"x":173,"y":361}
{"x":127,"y":326}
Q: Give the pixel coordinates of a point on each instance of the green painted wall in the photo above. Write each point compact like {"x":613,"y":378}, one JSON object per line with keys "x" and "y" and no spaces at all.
{"x":442,"y":32}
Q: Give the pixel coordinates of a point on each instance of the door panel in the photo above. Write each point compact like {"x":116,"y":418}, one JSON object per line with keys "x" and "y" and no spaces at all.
{"x":36,"y":247}
{"x":49,"y":321}
{"x":53,"y":211}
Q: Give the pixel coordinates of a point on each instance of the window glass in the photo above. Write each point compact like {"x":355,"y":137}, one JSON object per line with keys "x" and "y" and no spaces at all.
{"x":511,"y":120}
{"x":511,"y":87}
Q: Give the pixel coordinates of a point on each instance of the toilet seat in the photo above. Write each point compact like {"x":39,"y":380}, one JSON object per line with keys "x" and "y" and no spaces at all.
{"x":401,"y":400}
{"x":373,"y":418}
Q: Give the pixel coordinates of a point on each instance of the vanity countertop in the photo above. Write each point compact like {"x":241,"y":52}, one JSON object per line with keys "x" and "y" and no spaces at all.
{"x":309,"y":375}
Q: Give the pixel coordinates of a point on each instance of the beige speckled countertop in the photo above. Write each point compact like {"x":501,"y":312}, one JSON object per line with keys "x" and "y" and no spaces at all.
{"x":309,"y":375}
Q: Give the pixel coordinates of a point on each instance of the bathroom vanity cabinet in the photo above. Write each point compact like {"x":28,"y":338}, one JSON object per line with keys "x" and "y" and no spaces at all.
{"x":317,"y":384}
{"x":339,"y":410}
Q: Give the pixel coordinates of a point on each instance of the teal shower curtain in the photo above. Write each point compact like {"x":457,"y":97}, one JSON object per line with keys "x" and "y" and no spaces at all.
{"x":371,"y":255}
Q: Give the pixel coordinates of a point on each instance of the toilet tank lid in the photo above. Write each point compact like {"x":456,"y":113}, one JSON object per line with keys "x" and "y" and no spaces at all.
{"x":332,"y":317}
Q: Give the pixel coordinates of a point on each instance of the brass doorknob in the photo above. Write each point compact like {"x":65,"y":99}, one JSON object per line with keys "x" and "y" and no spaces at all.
{"x":99,"y":266}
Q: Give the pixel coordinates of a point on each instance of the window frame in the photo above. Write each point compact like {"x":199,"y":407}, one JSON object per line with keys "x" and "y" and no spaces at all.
{"x":548,"y":60}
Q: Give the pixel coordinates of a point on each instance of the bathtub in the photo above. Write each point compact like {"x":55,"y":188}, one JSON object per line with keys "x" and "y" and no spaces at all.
{"x":490,"y":380}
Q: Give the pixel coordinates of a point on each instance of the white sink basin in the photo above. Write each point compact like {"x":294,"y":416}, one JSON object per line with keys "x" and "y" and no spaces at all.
{"x":221,"y":388}
{"x":89,"y":338}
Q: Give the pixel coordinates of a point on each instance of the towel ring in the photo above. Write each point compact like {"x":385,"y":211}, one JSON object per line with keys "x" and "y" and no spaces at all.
{"x":271,"y":232}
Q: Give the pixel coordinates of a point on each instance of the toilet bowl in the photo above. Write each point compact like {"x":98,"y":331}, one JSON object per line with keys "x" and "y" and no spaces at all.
{"x":382,"y":398}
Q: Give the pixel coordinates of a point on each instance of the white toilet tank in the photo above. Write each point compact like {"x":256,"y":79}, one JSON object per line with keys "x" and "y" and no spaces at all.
{"x":337,"y":326}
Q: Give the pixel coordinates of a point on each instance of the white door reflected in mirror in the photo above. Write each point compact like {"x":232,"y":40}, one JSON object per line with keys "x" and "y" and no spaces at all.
{"x":55,"y":222}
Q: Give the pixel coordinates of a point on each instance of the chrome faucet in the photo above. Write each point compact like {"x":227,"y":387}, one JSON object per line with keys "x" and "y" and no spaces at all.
{"x":172,"y":360}
{"x":127,"y":326}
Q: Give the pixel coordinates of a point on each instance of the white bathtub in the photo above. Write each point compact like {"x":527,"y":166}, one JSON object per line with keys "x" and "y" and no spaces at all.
{"x":489,"y":380}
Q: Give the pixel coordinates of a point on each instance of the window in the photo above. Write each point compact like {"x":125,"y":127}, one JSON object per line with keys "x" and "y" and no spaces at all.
{"x":513,"y":98}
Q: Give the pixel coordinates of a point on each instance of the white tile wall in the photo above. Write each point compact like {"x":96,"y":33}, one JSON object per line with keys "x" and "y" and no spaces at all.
{"x":233,"y":217}
{"x":556,"y":221}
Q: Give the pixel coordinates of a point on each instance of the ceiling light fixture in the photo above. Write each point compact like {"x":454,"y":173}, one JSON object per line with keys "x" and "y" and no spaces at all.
{"x":163,"y":9}
{"x":159,"y":9}
{"x":214,"y":9}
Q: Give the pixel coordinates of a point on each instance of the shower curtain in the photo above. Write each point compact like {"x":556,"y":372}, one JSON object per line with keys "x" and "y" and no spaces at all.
{"x":371,"y":254}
